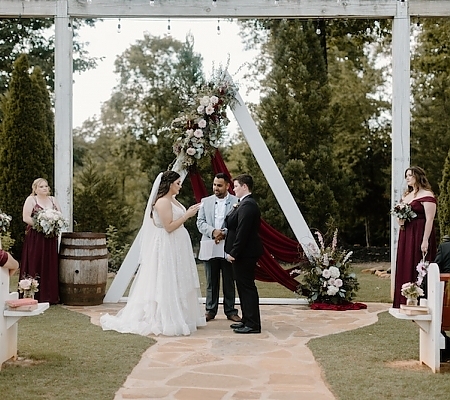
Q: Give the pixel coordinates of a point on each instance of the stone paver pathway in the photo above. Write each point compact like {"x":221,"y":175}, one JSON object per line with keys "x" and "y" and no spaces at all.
{"x":216,"y":363}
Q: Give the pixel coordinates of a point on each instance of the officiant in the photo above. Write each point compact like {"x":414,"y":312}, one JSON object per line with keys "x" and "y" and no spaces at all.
{"x":210,"y":220}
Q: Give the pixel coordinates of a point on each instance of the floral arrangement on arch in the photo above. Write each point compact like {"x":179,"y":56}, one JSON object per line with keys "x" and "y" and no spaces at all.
{"x":50,"y":222}
{"x":328,"y":277}
{"x":197,"y":133}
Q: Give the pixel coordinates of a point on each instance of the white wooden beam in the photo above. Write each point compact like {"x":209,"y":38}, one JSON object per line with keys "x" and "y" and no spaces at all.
{"x":205,"y":8}
{"x":400,"y":116}
{"x":63,"y":111}
{"x":273,"y":175}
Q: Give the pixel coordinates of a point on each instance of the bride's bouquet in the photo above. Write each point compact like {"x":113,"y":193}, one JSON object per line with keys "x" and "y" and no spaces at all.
{"x":50,"y":222}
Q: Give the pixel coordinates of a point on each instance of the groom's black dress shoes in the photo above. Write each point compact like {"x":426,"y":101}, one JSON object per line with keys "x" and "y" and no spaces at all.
{"x":237,"y":325}
{"x":247,"y":329}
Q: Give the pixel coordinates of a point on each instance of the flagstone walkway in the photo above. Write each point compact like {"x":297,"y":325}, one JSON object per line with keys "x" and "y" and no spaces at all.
{"x":216,"y":363}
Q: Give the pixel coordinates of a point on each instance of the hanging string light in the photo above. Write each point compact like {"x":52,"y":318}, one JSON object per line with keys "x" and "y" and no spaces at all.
{"x":168,"y":26}
{"x":214,"y":3}
{"x":277,"y":2}
{"x":152,"y":2}
{"x":119,"y":27}
{"x":218,"y":26}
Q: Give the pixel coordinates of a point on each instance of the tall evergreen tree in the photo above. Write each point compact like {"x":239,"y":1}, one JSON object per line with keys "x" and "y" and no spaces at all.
{"x":25,"y":142}
{"x":430,"y":132}
{"x":295,"y":121}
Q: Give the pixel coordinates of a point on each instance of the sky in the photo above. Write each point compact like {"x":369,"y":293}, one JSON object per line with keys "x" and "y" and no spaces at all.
{"x":92,"y":88}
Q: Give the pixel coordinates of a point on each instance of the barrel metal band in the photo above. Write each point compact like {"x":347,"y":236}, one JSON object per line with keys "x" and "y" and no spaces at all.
{"x":76,"y":246}
{"x":98,"y":257}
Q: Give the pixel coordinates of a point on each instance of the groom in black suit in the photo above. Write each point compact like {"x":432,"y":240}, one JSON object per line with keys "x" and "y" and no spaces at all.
{"x":243,"y":248}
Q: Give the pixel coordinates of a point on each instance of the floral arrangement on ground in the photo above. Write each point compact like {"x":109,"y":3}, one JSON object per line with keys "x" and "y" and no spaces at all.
{"x":327,"y":277}
{"x":198,"y":132}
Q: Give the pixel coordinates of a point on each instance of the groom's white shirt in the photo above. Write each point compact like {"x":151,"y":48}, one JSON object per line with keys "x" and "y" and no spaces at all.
{"x":209,"y":215}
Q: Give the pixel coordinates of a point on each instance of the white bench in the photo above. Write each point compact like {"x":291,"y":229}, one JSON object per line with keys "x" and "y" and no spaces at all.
{"x":431,"y":339}
{"x":9,"y":319}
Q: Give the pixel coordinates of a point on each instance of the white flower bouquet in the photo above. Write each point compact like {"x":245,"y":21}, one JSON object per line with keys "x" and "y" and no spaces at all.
{"x":28,"y":286}
{"x":328,"y":277}
{"x":50,"y":222}
{"x":5,"y":221}
{"x":403,"y":211}
{"x":411,"y":290}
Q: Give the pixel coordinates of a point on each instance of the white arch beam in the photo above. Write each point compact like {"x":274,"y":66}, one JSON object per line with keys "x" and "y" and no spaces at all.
{"x":224,"y":8}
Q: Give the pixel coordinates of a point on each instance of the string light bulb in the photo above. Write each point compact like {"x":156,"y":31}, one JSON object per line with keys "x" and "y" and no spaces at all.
{"x":218,"y":27}
{"x":152,"y":2}
{"x":89,"y":1}
{"x":214,"y":3}
{"x":277,"y":2}
{"x":168,"y":26}
{"x":119,"y":27}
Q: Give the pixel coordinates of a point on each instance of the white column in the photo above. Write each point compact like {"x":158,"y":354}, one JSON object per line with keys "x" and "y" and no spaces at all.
{"x":400,"y":115}
{"x":63,"y":110}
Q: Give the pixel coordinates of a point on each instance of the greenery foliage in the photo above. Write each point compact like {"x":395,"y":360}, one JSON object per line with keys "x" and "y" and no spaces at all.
{"x":117,"y":250}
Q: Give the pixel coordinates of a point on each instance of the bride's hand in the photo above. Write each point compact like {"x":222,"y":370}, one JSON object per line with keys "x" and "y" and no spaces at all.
{"x":192,"y":210}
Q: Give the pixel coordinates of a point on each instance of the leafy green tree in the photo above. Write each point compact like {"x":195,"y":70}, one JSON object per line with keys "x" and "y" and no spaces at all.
{"x":430,"y":132}
{"x":26,"y":148}
{"x":33,"y":37}
{"x":326,"y":127}
{"x":444,"y":199}
{"x":158,"y":78}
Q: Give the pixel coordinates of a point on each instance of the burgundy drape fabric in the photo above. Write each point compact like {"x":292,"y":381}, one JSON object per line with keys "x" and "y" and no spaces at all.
{"x":276,"y":245}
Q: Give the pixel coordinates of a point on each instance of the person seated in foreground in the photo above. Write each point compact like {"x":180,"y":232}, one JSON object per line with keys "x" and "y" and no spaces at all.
{"x":9,"y":262}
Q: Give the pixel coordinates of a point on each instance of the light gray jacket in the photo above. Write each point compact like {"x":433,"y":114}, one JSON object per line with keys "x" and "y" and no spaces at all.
{"x":206,"y":214}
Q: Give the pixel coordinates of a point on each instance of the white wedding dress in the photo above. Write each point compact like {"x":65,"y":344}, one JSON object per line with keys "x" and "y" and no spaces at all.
{"x":165,"y":295}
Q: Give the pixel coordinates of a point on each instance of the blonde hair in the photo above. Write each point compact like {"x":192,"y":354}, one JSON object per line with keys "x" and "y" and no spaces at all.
{"x":35,"y":185}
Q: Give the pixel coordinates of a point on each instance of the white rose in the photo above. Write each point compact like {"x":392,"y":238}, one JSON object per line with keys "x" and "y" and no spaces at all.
{"x":198,"y":133}
{"x":335,"y":273}
{"x":338,"y":283}
{"x":332,"y":290}
{"x":214,"y":99}
{"x":200,"y":109}
{"x":326,"y":273}
{"x":209,"y":109}
{"x":191,"y":151}
{"x":202,"y":123}
{"x":189,"y":132}
{"x":204,"y":101}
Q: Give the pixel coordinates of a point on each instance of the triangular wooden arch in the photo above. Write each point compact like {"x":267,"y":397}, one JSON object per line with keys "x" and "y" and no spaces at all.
{"x":274,"y":178}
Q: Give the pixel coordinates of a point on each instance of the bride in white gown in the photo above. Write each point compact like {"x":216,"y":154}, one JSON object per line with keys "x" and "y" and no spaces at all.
{"x":165,"y":295}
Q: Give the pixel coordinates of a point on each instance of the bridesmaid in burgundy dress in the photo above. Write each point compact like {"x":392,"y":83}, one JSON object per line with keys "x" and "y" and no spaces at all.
{"x":418,"y":236}
{"x":39,"y":253}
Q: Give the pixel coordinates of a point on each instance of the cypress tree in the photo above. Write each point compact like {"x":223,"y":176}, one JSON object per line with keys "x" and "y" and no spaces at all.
{"x":26,"y":151}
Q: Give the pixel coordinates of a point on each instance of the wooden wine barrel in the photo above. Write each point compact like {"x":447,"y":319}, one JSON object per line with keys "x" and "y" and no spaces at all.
{"x":83,"y":268}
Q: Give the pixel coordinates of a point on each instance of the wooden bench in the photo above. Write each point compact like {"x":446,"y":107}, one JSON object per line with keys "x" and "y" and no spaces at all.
{"x":9,"y":319}
{"x":431,"y":339}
